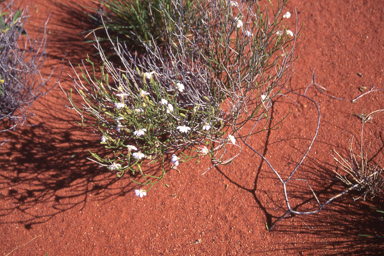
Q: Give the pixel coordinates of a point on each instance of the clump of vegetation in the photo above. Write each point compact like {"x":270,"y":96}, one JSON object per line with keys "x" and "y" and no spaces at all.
{"x":134,"y":22}
{"x":191,"y":96}
{"x":21,"y":58}
{"x":358,"y":171}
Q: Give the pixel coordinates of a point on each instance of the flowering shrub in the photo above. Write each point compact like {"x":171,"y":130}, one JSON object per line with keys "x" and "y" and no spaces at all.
{"x":20,"y":80}
{"x":192,"y":97}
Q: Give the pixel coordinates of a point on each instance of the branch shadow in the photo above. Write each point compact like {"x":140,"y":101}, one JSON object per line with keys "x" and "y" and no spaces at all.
{"x":350,"y":226}
{"x":66,"y":27}
{"x":45,"y":171}
{"x":44,"y":167}
{"x":340,"y":224}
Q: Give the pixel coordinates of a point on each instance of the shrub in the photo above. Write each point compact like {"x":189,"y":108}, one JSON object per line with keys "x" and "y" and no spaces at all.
{"x":191,"y":97}
{"x":358,"y":171}
{"x":133,"y":21}
{"x":21,"y":82}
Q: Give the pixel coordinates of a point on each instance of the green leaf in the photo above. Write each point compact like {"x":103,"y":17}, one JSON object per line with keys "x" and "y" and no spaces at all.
{"x":17,"y":15}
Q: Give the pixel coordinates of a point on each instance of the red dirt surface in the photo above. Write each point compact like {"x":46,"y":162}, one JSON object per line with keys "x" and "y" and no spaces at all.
{"x":55,"y":201}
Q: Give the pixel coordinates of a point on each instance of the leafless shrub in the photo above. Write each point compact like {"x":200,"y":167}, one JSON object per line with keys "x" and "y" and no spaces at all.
{"x":21,"y":59}
{"x":370,"y":174}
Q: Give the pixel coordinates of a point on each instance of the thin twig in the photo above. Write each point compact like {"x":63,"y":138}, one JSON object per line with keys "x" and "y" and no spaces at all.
{"x":22,"y":245}
{"x":372,"y":90}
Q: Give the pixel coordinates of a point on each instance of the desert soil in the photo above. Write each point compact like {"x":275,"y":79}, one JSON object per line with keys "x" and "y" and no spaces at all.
{"x":56,"y":202}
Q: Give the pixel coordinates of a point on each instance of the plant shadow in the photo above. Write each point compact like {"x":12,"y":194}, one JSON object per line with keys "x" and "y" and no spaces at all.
{"x":342,"y":223}
{"x":353,"y":227}
{"x":45,"y":171}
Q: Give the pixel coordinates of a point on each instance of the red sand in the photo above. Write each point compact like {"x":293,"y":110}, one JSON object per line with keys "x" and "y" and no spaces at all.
{"x":55,"y":201}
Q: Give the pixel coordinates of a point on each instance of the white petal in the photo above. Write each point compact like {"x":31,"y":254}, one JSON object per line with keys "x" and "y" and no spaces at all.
{"x":148,"y":75}
{"x":204,"y":150}
{"x":139,"y":132}
{"x":140,"y":192}
{"x":264,"y":97}
{"x":119,"y":105}
{"x":130,"y":148}
{"x":239,"y":24}
{"x":287,"y":15}
{"x":232,"y":139}
{"x":175,"y":160}
{"x":183,"y":129}
{"x":180,"y":87}
{"x":169,"y":108}
{"x":114,"y":166}
{"x":143,"y":93}
{"x":122,"y":94}
{"x":138,"y":155}
{"x":206,"y":127}
{"x":248,"y":34}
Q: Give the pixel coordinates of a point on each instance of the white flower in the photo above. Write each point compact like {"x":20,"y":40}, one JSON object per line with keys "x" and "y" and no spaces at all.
{"x":239,"y":23}
{"x":232,"y":139}
{"x":118,"y":127}
{"x":169,"y":108}
{"x":148,"y":75}
{"x":287,"y":15}
{"x":138,"y":155}
{"x":180,"y":87}
{"x":233,"y":3}
{"x":139,"y":132}
{"x":139,"y":110}
{"x":163,"y":102}
{"x":119,"y":105}
{"x":204,"y":150}
{"x":130,"y":148}
{"x":248,"y":33}
{"x":206,"y":127}
{"x":289,"y":32}
{"x":140,"y":192}
{"x":175,"y":160}
{"x":183,"y":128}
{"x":143,"y":93}
{"x":264,"y":97}
{"x":114,"y":166}
{"x":279,"y":33}
{"x":122,"y":94}
{"x":103,"y":138}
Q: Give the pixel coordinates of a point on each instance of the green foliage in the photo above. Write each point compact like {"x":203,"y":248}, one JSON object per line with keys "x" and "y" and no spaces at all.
{"x":134,"y":21}
{"x":221,"y":67}
{"x":6,"y":22}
